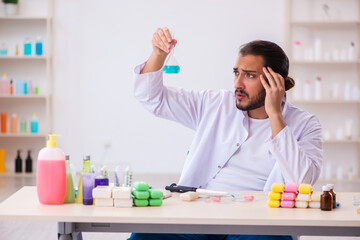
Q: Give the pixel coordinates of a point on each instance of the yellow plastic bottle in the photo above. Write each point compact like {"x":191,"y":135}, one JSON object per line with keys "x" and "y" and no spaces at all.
{"x":86,"y":168}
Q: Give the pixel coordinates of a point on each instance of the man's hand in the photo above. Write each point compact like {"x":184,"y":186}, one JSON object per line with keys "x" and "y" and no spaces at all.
{"x":161,"y":43}
{"x":275,"y":91}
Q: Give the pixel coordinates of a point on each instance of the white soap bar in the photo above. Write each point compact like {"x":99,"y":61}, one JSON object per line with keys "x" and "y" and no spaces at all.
{"x":122,"y":192}
{"x":104,"y":202}
{"x":315,"y":196}
{"x":189,"y":196}
{"x":301,"y":204}
{"x":303,"y":197}
{"x":123,"y":202}
{"x":314,"y":204}
{"x":102,"y":192}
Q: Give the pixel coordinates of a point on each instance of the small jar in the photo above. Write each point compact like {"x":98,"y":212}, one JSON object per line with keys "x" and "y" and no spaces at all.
{"x":333,"y":194}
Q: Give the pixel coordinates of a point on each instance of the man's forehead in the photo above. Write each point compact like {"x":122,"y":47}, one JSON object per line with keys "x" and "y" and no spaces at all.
{"x":249,"y":62}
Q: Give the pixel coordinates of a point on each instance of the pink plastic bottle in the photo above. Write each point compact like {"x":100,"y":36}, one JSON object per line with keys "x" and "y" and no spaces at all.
{"x":51,"y":174}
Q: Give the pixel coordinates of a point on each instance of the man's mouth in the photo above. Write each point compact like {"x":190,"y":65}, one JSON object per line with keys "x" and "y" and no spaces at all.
{"x":240,"y":95}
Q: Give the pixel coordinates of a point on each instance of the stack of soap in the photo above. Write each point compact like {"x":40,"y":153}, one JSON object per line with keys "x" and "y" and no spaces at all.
{"x":315,"y":200}
{"x":102,"y":196}
{"x":122,"y":197}
{"x":275,"y":194}
{"x":144,"y":197}
{"x":289,"y":196}
{"x":303,"y":198}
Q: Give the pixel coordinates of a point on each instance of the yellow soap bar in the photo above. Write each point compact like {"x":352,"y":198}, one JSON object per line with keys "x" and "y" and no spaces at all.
{"x":273,"y":203}
{"x":274,"y":195}
{"x":189,"y":196}
{"x":305,"y":188}
{"x":277,"y":187}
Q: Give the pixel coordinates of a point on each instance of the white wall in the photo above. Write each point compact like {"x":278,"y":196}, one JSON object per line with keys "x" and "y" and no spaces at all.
{"x":98,"y":43}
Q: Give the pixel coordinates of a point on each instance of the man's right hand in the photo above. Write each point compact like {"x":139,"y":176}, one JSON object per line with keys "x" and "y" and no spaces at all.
{"x":161,"y":42}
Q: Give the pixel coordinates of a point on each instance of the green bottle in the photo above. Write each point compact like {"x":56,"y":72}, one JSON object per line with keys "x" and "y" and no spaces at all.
{"x":70,"y":191}
{"x":86,"y":168}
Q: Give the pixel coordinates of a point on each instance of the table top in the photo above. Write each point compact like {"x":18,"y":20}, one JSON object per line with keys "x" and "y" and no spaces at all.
{"x":24,"y":205}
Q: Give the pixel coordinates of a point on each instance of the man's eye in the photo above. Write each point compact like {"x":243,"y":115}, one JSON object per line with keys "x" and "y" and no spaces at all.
{"x":250,"y":75}
{"x":236,"y":73}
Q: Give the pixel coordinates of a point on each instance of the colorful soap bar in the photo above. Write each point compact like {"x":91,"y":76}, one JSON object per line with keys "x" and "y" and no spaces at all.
{"x":301,"y":204}
{"x":287,"y":204}
{"x":102,"y":192}
{"x":141,"y":202}
{"x":141,"y":194}
{"x":123,"y":203}
{"x":189,"y":196}
{"x":274,"y":195}
{"x":156,"y":193}
{"x":291,"y":187}
{"x":314,"y":204}
{"x":277,"y":187}
{"x":122,"y":192}
{"x":155,"y":202}
{"x":289,"y":196}
{"x":273,"y":203}
{"x":141,"y":186}
{"x":104,"y":202}
{"x":305,"y":188}
{"x":315,"y":196}
{"x":303,"y":197}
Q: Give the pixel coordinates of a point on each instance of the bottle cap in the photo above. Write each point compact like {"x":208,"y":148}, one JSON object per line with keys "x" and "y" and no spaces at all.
{"x":51,"y":143}
{"x":86,"y":157}
{"x":67,"y":157}
{"x":4,"y":76}
{"x":326,"y":188}
{"x":331,"y":186}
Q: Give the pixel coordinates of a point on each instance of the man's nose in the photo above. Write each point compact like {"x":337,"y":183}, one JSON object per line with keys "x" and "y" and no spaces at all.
{"x":239,"y":82}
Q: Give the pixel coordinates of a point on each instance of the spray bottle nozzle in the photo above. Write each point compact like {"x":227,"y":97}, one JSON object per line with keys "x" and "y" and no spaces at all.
{"x":51,"y":143}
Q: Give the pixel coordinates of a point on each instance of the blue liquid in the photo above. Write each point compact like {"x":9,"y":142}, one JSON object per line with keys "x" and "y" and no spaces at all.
{"x":3,"y":52}
{"x":27,"y":49}
{"x":19,"y":87}
{"x":171,"y":69}
{"x":39,"y":48}
{"x":25,"y":88}
{"x":34,"y":126}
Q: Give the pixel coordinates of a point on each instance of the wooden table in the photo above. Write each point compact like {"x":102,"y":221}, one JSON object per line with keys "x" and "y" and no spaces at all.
{"x":176,"y":216}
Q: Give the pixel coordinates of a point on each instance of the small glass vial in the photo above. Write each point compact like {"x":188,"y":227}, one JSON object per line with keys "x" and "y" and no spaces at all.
{"x":326,"y":200}
{"x":39,"y":47}
{"x":3,"y":50}
{"x":27,"y":47}
{"x":333,"y":194}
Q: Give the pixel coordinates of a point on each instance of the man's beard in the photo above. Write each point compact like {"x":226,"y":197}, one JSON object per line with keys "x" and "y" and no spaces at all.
{"x":254,"y":102}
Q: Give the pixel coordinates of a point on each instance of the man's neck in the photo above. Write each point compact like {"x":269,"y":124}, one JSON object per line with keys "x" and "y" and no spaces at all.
{"x":258,"y":113}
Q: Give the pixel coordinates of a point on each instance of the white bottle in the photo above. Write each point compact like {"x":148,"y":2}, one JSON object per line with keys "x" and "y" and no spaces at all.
{"x":351,"y":52}
{"x":318,"y":49}
{"x":298,"y":53}
{"x":318,"y":88}
{"x":307,"y":90}
{"x":335,"y":91}
{"x":347,"y":91}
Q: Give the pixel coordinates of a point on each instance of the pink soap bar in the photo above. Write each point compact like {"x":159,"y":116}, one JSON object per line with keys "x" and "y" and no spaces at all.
{"x":248,"y":198}
{"x":287,"y":204}
{"x":288,"y":196}
{"x":291,"y":187}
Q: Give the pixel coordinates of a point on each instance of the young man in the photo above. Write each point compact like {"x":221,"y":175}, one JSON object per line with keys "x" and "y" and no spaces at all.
{"x":245,"y":140}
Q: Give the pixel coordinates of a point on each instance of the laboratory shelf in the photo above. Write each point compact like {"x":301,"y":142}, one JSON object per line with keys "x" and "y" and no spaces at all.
{"x":325,"y":101}
{"x":325,"y":62}
{"x":27,"y":18}
{"x":27,"y":135}
{"x":23,"y":97}
{"x":14,"y":174}
{"x":23,"y":58}
{"x":325,"y":23}
{"x":356,"y":140}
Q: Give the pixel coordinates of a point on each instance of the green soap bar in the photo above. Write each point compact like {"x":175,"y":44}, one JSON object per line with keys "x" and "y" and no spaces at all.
{"x":141,"y":194}
{"x":155,"y":202}
{"x":141,"y":202}
{"x":156,"y":194}
{"x":141,"y":186}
